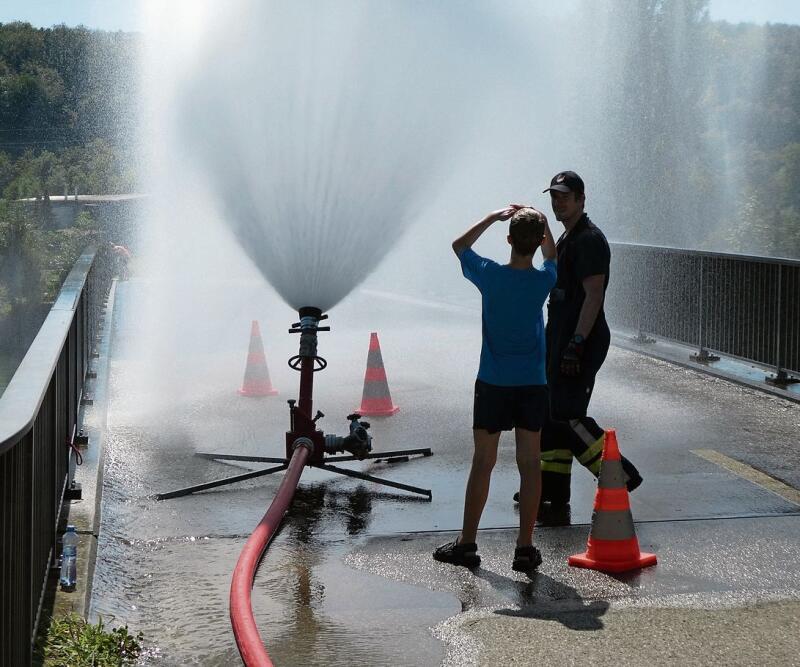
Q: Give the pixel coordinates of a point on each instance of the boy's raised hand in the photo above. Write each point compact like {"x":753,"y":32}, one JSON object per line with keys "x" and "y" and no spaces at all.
{"x":504,"y":213}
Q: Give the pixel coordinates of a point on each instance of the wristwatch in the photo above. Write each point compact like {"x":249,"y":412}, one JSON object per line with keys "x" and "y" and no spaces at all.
{"x":578,"y":339}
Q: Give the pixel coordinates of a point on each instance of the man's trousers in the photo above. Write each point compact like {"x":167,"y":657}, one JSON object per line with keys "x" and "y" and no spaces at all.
{"x":569,"y":432}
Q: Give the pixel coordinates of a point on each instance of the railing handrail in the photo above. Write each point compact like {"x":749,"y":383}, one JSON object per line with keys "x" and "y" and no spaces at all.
{"x":711,"y":253}
{"x":24,"y":394}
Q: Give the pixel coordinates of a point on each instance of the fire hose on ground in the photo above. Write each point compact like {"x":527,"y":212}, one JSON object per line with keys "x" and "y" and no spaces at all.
{"x":306,"y":445}
{"x":251,"y":646}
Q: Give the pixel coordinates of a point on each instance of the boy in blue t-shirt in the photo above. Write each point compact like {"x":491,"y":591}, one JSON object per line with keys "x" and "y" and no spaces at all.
{"x":511,"y":388}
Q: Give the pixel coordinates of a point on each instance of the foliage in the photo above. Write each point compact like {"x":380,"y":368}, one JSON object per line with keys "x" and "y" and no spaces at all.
{"x":654,"y":107}
{"x":62,"y":249}
{"x":96,"y":168}
{"x":68,"y":111}
{"x":21,"y":253}
{"x":701,"y":128}
{"x":65,"y":86}
{"x":35,"y":259}
{"x":700,"y":140}
{"x":757,"y":112}
{"x":73,"y":641}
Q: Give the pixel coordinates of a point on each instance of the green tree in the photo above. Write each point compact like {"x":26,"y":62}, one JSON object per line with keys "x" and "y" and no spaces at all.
{"x":100,"y":167}
{"x":20,"y":43}
{"x":650,"y":90}
{"x":49,"y":174}
{"x":6,"y":170}
{"x":23,"y":182}
{"x":74,"y":165}
{"x":20,"y":257}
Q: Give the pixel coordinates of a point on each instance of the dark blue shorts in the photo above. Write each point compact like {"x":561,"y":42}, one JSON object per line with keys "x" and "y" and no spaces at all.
{"x":504,"y":408}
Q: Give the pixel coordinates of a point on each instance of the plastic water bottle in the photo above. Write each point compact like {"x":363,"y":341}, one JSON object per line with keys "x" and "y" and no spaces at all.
{"x":69,"y":559}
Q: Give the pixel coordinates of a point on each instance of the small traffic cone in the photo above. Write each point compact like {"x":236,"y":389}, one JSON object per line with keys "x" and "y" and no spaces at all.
{"x":613,"y":545}
{"x":376,"y":400}
{"x":256,"y":374}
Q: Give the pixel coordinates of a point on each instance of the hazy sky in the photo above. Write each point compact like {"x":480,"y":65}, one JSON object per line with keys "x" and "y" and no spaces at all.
{"x":124,"y":14}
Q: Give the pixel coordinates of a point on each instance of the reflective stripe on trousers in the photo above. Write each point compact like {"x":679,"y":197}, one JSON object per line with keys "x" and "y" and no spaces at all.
{"x":582,"y":438}
{"x":557,"y":461}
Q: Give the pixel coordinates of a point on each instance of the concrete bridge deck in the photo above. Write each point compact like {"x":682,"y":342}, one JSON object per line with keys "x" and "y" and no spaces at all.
{"x":350,"y":580}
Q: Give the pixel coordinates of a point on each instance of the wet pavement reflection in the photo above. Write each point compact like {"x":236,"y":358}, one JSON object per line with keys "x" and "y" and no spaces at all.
{"x":330,"y":591}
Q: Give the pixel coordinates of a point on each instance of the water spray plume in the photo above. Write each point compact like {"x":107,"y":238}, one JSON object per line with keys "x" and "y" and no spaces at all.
{"x":319,"y":129}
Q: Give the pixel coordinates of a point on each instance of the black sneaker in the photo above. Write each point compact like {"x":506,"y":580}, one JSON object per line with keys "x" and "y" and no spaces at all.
{"x":554,"y":515}
{"x":458,"y":554}
{"x":560,"y":503}
{"x":526,"y":559}
{"x":633,"y":478}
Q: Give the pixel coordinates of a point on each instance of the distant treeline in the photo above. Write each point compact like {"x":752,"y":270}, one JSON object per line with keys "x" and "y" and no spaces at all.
{"x":68,"y":110}
{"x":766,"y":217}
{"x":697,"y":137}
{"x":68,"y":114}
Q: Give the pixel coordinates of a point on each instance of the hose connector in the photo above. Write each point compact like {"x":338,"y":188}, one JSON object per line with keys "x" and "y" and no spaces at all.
{"x":303,"y":441}
{"x":358,"y":442}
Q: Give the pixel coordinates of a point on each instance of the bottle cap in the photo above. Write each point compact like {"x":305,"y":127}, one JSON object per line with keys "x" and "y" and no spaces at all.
{"x":70,"y":528}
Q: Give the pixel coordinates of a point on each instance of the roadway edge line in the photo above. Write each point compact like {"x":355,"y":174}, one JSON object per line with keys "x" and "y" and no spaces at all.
{"x":750,"y":474}
{"x":637,"y":522}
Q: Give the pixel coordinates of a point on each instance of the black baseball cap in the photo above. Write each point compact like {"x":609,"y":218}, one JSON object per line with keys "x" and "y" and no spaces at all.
{"x":566,"y":181}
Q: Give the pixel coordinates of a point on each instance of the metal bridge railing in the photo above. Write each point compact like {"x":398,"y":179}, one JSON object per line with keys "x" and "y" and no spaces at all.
{"x":736,"y":305}
{"x":38,"y":416}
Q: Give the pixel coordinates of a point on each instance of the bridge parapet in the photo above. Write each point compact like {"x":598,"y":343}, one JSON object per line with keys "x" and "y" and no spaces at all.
{"x":739,"y":306}
{"x":38,"y":417}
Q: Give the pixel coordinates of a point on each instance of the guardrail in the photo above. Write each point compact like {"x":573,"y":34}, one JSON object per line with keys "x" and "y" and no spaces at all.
{"x":735,"y":305}
{"x":38,"y":417}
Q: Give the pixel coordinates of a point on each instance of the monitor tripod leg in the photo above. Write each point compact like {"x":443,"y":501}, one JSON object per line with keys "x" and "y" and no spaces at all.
{"x":381,"y":455}
{"x":399,"y":452}
{"x":377,"y":480}
{"x":237,"y":457}
{"x":219,"y":482}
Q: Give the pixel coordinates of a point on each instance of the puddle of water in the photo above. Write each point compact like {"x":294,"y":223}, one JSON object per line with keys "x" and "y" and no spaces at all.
{"x":310,"y":607}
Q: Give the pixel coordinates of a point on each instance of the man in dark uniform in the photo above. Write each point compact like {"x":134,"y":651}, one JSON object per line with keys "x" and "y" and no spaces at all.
{"x":577,"y":343}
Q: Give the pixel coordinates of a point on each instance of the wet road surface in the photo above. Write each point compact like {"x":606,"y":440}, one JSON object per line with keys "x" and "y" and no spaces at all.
{"x":727,"y":566}
{"x":349,"y":580}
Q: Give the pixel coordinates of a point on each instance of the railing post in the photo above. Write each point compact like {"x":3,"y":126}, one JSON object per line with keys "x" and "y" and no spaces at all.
{"x":703,"y":355}
{"x":781,"y":378}
{"x":701,"y":304}
{"x":641,"y":337}
{"x":778,"y":340}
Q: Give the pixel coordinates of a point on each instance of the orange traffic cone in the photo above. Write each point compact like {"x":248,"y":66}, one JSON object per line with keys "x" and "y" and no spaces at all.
{"x":376,"y":400}
{"x":256,"y":374}
{"x":613,"y":545}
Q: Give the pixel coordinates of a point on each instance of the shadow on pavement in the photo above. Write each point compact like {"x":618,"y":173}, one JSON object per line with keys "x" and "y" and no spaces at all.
{"x":547,"y":599}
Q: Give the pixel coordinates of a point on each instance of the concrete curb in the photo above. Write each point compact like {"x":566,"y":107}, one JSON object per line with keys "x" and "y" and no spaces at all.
{"x":678,"y":355}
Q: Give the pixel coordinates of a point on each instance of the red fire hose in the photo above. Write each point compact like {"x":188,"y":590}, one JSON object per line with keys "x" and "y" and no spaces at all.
{"x":251,"y":646}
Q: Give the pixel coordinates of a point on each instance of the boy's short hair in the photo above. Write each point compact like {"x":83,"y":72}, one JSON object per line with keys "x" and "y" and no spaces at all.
{"x":526,"y":230}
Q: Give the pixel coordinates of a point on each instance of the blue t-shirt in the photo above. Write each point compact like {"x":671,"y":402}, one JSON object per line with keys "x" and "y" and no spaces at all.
{"x":513,"y":350}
